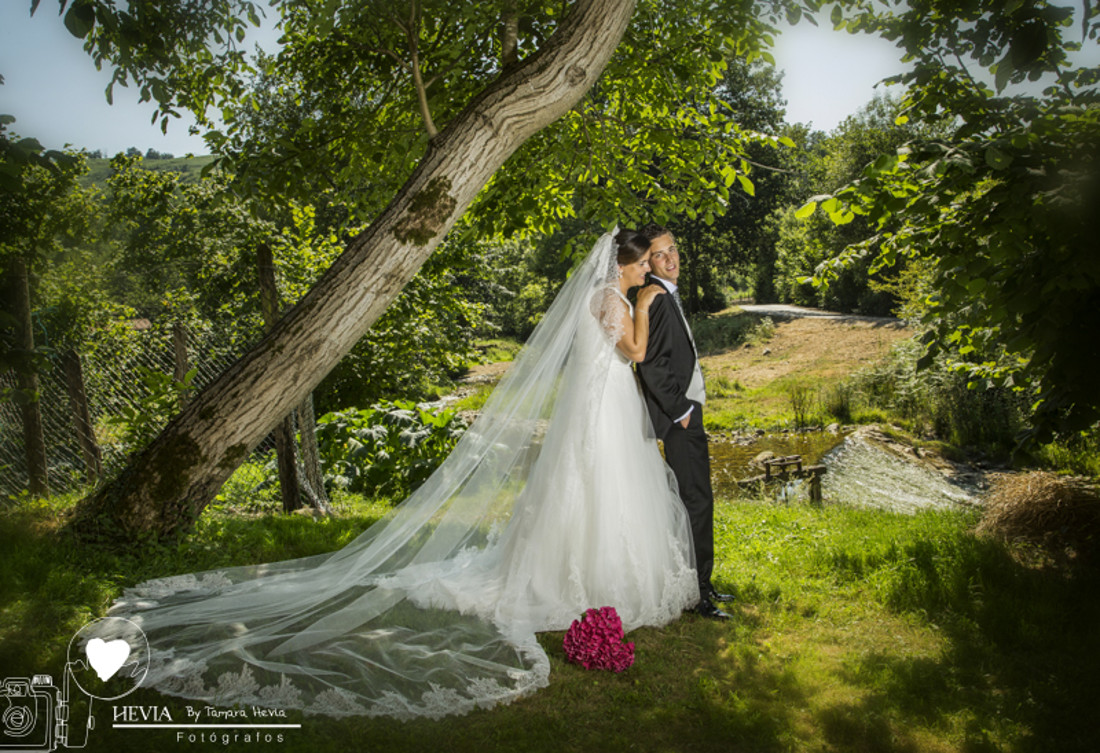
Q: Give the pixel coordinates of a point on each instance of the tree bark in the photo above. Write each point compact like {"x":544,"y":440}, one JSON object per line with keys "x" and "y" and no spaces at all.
{"x":166,"y":487}
{"x":311,"y":455}
{"x":34,"y":438}
{"x":82,"y":417}
{"x":284,"y":433}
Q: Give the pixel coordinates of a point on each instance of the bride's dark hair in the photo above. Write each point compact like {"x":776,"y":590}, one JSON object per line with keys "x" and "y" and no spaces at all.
{"x":630,"y":246}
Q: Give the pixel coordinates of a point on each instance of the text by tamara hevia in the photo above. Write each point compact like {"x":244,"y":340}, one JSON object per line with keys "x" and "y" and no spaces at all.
{"x":252,"y":713}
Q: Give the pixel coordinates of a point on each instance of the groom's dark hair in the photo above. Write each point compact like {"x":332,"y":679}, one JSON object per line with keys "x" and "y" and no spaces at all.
{"x":652,"y":231}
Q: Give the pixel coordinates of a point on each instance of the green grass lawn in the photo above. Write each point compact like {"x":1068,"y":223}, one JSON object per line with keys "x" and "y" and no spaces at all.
{"x":853,"y":631}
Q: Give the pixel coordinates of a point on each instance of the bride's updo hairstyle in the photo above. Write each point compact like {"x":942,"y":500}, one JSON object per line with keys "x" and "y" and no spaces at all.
{"x":630,"y":246}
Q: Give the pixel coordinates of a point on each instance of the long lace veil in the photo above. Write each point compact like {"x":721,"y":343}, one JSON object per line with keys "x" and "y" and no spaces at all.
{"x":330,"y":634}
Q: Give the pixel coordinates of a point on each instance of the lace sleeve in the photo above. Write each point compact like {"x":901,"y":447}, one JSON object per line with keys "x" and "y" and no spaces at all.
{"x":609,"y":309}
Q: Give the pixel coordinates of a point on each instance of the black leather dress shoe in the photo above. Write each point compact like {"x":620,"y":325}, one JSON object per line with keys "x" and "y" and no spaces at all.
{"x":720,"y":598}
{"x":705,"y":609}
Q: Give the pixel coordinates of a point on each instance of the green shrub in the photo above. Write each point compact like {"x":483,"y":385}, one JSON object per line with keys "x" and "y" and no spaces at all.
{"x":937,"y":401}
{"x":388,"y":449}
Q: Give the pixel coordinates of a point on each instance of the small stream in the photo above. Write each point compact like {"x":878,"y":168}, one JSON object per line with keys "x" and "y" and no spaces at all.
{"x":860,"y":472}
{"x":731,"y":456}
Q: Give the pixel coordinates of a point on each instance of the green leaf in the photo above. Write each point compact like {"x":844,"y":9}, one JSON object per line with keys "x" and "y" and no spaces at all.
{"x":997,"y":159}
{"x":746,"y":184}
{"x":805,"y":210}
{"x":1003,"y":72}
{"x":80,"y":19}
{"x":837,"y":16}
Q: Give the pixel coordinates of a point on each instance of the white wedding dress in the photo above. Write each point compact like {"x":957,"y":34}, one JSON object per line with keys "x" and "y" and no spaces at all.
{"x":556,"y":500}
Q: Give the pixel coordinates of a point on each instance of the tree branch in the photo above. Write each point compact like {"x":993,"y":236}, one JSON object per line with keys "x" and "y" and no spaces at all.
{"x":509,"y":38}
{"x":412,"y":33}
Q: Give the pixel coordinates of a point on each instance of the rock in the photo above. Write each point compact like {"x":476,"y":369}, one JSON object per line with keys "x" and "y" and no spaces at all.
{"x":762,"y":457}
{"x":833,"y":428}
{"x":767,"y":351}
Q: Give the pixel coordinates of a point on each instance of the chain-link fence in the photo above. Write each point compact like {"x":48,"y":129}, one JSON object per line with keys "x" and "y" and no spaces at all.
{"x":132,"y":390}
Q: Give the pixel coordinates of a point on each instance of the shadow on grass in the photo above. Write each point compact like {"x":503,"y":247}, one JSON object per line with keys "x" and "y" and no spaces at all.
{"x":1021,"y":661}
{"x":53,"y":584}
{"x":685,"y":692}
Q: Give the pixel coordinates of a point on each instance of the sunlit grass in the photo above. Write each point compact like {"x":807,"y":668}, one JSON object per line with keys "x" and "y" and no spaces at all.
{"x":476,"y":400}
{"x":499,"y":349}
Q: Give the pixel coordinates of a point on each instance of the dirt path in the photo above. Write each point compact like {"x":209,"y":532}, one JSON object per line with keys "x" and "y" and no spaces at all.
{"x":814,"y":346}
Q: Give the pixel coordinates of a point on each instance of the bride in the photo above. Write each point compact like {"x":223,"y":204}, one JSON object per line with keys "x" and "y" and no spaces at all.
{"x":555,"y":500}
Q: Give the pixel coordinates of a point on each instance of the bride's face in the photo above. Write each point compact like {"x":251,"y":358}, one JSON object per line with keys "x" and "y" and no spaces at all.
{"x":634,"y":274}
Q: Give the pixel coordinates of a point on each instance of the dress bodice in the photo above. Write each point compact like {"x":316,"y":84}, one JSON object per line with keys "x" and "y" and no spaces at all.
{"x":621,"y":359}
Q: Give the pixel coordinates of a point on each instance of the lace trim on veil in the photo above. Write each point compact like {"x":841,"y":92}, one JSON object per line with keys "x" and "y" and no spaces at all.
{"x":185,"y":678}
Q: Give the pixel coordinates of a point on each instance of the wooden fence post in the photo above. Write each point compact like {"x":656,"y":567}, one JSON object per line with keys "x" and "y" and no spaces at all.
{"x":182,"y":362}
{"x":82,"y":417}
{"x":34,"y":438}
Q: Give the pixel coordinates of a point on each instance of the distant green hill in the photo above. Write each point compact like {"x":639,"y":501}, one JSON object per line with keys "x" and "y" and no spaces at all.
{"x":188,"y":167}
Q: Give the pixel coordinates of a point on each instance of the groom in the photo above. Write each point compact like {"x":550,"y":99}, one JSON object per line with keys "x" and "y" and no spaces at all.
{"x":673,"y":385}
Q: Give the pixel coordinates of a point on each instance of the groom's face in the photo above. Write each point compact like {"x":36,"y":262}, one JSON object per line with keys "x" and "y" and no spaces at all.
{"x":664,"y":258}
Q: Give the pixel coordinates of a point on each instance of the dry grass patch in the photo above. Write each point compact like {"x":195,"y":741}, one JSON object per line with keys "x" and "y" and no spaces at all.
{"x":1058,"y":513}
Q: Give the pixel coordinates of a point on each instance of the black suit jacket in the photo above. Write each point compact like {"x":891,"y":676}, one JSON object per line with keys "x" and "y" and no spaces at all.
{"x":669,"y":363}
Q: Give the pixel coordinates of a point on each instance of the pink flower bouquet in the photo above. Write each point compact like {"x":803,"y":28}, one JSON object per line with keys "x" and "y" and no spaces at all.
{"x":596,"y":641}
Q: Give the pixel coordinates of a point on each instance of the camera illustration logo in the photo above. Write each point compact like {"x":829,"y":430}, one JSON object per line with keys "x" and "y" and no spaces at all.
{"x":107,"y":659}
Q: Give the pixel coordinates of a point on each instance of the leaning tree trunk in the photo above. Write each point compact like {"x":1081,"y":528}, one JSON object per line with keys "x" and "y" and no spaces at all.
{"x":166,"y":487}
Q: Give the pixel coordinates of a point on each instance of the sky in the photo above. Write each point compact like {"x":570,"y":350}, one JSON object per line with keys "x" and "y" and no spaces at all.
{"x":56,"y":95}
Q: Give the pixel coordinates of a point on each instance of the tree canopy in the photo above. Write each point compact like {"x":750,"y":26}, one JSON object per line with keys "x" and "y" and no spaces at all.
{"x":1002,"y":201}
